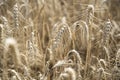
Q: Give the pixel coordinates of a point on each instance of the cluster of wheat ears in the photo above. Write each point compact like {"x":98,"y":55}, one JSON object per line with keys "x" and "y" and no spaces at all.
{"x":59,"y":40}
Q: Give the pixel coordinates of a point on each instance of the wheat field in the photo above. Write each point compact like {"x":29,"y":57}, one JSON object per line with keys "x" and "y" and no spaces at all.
{"x":59,"y":39}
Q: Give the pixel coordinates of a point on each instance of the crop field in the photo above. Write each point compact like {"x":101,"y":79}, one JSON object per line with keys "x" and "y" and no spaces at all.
{"x":59,"y":39}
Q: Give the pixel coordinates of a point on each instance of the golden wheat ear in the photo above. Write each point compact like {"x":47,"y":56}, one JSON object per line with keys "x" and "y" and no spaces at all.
{"x":1,"y":31}
{"x":11,"y":48}
{"x":68,"y":74}
{"x":11,"y":58}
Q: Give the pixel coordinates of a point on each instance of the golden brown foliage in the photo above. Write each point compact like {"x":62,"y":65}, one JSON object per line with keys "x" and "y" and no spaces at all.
{"x":59,"y":40}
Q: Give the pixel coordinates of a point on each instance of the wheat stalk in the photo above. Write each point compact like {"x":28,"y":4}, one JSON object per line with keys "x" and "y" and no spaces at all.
{"x":90,"y":10}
